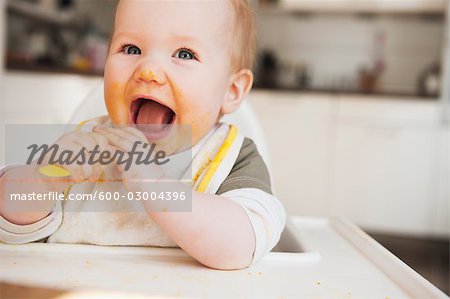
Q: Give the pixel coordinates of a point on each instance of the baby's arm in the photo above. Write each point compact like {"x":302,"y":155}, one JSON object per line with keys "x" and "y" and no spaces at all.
{"x":227,"y":231}
{"x":26,"y":180}
{"x":217,"y":232}
{"x":225,"y":242}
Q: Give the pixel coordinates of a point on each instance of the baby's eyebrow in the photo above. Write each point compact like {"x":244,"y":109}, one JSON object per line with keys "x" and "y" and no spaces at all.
{"x":125,"y":33}
{"x":187,"y":39}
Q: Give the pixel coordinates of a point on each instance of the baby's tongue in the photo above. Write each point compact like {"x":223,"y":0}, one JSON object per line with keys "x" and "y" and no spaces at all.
{"x":153,"y":114}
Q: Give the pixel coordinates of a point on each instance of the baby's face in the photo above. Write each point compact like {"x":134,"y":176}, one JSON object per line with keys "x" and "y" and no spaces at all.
{"x":169,"y":64}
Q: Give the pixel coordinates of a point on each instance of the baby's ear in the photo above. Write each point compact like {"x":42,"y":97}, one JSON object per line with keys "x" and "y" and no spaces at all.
{"x":240,"y":84}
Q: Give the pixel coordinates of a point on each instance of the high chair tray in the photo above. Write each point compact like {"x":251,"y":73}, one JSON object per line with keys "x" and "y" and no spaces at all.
{"x":315,"y":258}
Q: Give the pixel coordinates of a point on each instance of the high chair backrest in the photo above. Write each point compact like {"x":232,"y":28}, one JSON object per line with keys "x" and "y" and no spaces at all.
{"x":244,"y":118}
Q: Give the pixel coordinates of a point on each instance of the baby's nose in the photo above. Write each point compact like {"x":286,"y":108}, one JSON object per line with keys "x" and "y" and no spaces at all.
{"x":148,"y":75}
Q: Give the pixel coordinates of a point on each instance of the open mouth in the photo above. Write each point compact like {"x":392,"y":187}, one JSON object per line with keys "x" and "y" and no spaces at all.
{"x":151,"y":117}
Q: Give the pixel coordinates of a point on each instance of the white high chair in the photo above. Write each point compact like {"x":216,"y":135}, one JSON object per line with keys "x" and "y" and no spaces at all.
{"x":244,"y":118}
{"x":332,"y":258}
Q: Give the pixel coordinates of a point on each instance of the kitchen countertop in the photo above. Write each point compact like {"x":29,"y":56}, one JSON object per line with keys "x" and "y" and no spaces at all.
{"x":374,"y":95}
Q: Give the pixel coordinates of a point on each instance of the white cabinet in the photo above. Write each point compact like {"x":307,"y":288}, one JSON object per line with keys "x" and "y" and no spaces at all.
{"x":387,"y":157}
{"x":298,"y":127}
{"x":381,"y":162}
{"x":384,"y":178}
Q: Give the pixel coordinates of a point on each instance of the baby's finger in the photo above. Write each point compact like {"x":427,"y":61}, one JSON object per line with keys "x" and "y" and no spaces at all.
{"x":102,"y":141}
{"x":115,"y":138}
{"x":88,"y":169}
{"x":76,"y":172}
{"x":133,"y":137}
{"x":86,"y":141}
{"x":122,"y":160}
{"x":125,"y":133}
{"x":68,"y":137}
{"x":136,"y":133}
{"x":88,"y":144}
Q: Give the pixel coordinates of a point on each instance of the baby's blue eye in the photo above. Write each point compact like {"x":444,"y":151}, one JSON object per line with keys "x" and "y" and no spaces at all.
{"x":131,"y":50}
{"x":184,"y":54}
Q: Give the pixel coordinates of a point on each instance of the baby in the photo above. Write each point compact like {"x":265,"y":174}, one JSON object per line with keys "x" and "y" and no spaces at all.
{"x":171,"y":65}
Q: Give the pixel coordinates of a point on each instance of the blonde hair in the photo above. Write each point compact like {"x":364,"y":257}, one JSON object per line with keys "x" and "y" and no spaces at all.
{"x":243,"y":36}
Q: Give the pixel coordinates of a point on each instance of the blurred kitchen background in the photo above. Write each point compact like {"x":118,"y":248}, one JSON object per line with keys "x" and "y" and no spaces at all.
{"x":353,"y":95}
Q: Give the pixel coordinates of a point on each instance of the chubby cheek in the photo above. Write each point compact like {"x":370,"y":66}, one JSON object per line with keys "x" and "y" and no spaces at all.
{"x":202,"y":119}
{"x":116,"y":105}
{"x":201,"y":106}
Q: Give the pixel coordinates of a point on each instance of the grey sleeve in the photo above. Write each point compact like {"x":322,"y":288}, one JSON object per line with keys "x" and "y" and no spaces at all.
{"x":249,"y":171}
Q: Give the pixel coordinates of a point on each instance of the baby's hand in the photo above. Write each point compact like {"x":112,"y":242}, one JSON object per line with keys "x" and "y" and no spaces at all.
{"x":124,"y":139}
{"x":76,"y":142}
